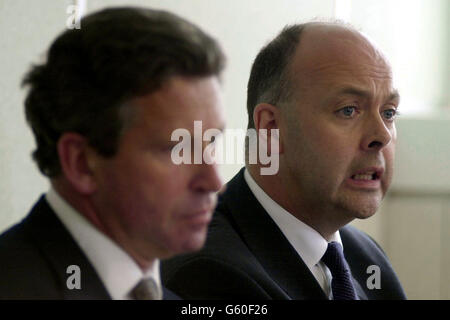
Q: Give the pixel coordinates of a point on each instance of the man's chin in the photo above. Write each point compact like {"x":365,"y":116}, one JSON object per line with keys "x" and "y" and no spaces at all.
{"x":363,"y":211}
{"x":194,"y":243}
{"x":360,"y":208}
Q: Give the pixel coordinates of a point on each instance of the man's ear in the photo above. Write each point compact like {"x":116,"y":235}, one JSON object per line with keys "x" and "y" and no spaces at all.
{"x":267,"y":116}
{"x":75,"y":160}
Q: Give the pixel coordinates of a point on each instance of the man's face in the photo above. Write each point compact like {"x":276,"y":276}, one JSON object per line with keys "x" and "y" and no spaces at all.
{"x":149,"y":205}
{"x":339,"y":130}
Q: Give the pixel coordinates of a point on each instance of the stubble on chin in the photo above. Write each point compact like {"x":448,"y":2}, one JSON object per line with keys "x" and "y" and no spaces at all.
{"x":359,"y":206}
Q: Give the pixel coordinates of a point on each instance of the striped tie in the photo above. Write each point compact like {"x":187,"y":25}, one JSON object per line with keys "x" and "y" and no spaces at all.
{"x":146,"y":289}
{"x":341,"y":284}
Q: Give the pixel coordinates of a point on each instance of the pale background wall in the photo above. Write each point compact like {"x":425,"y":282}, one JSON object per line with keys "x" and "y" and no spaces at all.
{"x":413,"y":34}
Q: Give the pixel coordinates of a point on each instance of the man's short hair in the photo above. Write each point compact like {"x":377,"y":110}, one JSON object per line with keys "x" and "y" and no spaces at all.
{"x":90,"y":73}
{"x":270,"y":78}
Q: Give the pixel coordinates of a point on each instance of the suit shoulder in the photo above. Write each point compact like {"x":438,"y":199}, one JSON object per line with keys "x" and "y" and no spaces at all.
{"x":15,"y":242}
{"x":222,"y":269}
{"x":223,"y":245}
{"x":362,"y":252}
{"x":206,"y":277}
{"x":356,"y":238}
{"x":24,"y":271}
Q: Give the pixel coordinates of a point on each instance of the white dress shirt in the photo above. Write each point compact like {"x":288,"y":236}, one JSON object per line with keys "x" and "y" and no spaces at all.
{"x":307,"y":242}
{"x":116,"y":269}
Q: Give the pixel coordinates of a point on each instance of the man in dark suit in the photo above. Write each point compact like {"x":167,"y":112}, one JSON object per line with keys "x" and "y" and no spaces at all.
{"x":324,"y":95}
{"x":102,"y":109}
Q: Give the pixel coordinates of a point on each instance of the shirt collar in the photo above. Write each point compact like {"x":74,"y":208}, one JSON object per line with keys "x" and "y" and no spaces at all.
{"x":116,"y":269}
{"x":307,"y":242}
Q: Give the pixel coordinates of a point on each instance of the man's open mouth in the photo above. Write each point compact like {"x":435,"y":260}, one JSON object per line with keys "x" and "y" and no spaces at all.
{"x":368,"y":175}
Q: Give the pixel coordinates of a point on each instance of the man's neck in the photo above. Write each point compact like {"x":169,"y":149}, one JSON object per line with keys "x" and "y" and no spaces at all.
{"x":85,"y":207}
{"x":280,"y":190}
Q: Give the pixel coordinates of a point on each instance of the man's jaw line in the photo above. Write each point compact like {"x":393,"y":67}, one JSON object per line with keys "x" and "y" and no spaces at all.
{"x":316,"y":219}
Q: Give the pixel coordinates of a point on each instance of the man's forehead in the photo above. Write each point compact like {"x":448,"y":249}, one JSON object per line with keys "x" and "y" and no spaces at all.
{"x":325,"y":35}
{"x":330,"y":54}
{"x":327,"y":44}
{"x":179,"y":103}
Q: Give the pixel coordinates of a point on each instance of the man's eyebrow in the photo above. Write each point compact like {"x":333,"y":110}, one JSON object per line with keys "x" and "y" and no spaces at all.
{"x":394,"y":95}
{"x":354,"y":91}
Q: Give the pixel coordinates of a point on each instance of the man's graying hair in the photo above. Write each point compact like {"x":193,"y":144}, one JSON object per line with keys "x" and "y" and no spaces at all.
{"x":90,"y":74}
{"x":270,"y":76}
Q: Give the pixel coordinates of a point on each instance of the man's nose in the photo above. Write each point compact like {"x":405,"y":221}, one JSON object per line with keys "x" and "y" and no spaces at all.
{"x":207,"y":178}
{"x":376,"y":134}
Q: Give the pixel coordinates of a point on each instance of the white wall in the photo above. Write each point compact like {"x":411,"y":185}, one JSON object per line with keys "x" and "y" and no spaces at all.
{"x":410,"y":33}
{"x":26,"y":30}
{"x":417,"y":214}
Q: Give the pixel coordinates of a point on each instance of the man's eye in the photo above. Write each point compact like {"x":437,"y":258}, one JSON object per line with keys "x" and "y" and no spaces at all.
{"x":348,"y":111}
{"x":389,"y":114}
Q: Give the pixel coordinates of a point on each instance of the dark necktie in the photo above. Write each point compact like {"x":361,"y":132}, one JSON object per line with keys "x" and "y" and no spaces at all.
{"x":146,"y":289}
{"x":341,"y":284}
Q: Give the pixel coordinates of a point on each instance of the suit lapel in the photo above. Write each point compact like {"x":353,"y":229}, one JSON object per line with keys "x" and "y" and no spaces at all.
{"x":268,"y":244}
{"x":60,"y":250}
{"x":359,"y":290}
{"x":169,"y":295}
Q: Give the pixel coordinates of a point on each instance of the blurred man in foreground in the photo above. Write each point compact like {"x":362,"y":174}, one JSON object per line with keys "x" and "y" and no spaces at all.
{"x":102,"y":109}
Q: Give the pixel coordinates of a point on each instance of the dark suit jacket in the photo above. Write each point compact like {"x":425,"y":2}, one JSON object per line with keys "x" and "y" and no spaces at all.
{"x":247,"y":256}
{"x":34,"y":256}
